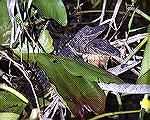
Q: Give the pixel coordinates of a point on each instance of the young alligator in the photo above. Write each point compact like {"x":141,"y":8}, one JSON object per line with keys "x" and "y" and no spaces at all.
{"x":85,"y":43}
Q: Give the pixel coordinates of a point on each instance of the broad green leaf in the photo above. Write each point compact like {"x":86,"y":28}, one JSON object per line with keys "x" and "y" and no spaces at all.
{"x":76,"y":91}
{"x":10,"y":103}
{"x":76,"y":81}
{"x":1,"y":34}
{"x":46,"y":41}
{"x":144,"y":77}
{"x":4,"y":20}
{"x":88,"y":71}
{"x":52,"y":9}
{"x":4,"y":16}
{"x":80,"y":68}
{"x":8,"y":116}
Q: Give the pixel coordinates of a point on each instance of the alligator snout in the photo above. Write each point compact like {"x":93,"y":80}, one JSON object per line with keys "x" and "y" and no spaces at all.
{"x":101,"y":46}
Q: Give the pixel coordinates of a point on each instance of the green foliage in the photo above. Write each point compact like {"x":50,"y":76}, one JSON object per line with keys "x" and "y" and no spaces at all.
{"x":88,"y":71}
{"x":130,"y":21}
{"x":54,"y":9}
{"x":4,"y":13}
{"x":43,"y":102}
{"x":10,"y":103}
{"x":1,"y":34}
{"x":76,"y":91}
{"x":46,"y":41}
{"x":95,"y":2}
{"x":144,"y":77}
{"x":80,"y":68}
{"x":4,"y":19}
{"x":76,"y":81}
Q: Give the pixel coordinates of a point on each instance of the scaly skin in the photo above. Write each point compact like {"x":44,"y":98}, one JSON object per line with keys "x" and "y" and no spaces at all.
{"x":85,"y":42}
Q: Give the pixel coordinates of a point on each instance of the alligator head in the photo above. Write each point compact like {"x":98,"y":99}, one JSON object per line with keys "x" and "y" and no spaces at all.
{"x":85,"y":35}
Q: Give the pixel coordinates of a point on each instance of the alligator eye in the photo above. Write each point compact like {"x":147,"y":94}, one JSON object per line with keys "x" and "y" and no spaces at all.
{"x":97,"y":45}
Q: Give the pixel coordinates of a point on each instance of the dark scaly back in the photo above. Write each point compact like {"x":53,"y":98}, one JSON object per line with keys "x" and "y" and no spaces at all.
{"x":85,"y":35}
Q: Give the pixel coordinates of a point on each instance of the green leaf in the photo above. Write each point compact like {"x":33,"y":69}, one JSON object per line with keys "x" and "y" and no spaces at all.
{"x":76,"y":82}
{"x":144,"y":77}
{"x":43,"y":102}
{"x":1,"y":34}
{"x":4,"y":16}
{"x":76,"y":91}
{"x":10,"y":103}
{"x":96,"y":3}
{"x":9,"y":116}
{"x":130,"y":21}
{"x":46,"y":41}
{"x":88,"y":71}
{"x":4,"y":19}
{"x":53,"y":9}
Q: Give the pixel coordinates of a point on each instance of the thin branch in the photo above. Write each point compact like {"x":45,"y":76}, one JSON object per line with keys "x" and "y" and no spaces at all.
{"x":114,"y":113}
{"x":11,"y":8}
{"x":102,"y":14}
{"x":103,"y":11}
{"x":126,"y":88}
{"x":123,"y":67}
{"x":112,"y":19}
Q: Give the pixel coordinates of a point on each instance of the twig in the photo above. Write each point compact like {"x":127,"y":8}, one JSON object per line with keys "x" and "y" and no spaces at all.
{"x":123,"y":67}
{"x":114,"y":113}
{"x":132,"y":39}
{"x":112,"y":19}
{"x":10,"y":6}
{"x":97,"y":11}
{"x":126,"y":88}
{"x":103,"y":11}
{"x":123,"y":19}
{"x":102,"y":14}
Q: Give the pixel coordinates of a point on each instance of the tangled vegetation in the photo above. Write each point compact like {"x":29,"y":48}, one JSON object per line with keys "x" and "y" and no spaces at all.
{"x":75,"y":59}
